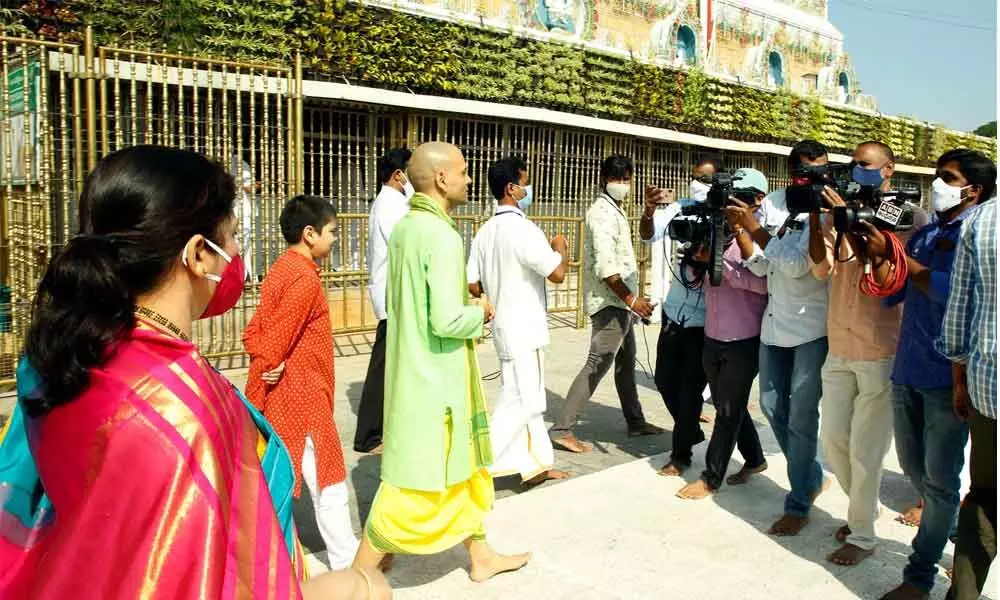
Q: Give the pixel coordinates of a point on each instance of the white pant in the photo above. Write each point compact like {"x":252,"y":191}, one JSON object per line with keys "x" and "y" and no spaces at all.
{"x":856,"y":431}
{"x":518,"y":434}
{"x":333,"y":513}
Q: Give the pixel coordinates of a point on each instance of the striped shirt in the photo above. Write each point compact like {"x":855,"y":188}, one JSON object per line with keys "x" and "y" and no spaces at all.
{"x":968,"y":334}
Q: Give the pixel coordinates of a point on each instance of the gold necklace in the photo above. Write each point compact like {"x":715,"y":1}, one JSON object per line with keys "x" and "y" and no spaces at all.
{"x":159,"y":319}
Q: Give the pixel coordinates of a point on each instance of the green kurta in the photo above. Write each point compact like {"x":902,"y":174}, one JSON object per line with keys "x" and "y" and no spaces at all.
{"x":431,"y":369}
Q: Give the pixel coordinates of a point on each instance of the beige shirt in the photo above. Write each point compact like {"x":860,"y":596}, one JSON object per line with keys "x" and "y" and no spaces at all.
{"x":860,"y":327}
{"x":607,"y":251}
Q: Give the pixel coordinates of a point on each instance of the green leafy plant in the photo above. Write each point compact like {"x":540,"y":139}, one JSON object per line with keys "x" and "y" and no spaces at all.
{"x":391,"y":49}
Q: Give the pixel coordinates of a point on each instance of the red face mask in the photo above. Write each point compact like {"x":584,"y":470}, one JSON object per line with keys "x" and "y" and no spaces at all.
{"x":230,"y":283}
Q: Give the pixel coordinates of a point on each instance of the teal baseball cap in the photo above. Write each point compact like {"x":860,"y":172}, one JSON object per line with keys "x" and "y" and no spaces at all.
{"x":748,"y":178}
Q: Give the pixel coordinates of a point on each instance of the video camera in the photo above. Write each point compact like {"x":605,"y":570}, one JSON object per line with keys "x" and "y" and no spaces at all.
{"x":886,"y":210}
{"x":704,"y":224}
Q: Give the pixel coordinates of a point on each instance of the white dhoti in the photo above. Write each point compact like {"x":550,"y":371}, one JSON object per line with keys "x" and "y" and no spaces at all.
{"x":520,"y":440}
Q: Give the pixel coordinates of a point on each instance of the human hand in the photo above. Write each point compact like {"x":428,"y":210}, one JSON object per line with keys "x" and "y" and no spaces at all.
{"x":740,"y":214}
{"x":874,"y":240}
{"x":961,"y":402}
{"x":488,"y":311}
{"x":560,"y":244}
{"x":657,"y":197}
{"x":832,"y":197}
{"x":701,"y":254}
{"x":642,"y":307}
{"x":273,"y":376}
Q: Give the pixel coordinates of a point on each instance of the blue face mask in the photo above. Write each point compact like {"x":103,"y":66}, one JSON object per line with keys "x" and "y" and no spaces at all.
{"x":865,"y":176}
{"x":525,"y":202}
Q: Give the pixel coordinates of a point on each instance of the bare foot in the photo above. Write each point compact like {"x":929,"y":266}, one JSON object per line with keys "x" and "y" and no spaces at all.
{"x":788,"y":525}
{"x":546,"y":476}
{"x":498,"y":563}
{"x":743,"y":475}
{"x":906,"y":591}
{"x":672,"y":469}
{"x":697,"y":490}
{"x":912,"y":515}
{"x":849,"y":555}
{"x":569,"y":443}
{"x":842,"y":534}
{"x":376,"y":450}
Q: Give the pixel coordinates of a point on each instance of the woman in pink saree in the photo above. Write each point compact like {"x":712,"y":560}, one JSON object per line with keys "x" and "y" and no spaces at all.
{"x":131,"y":468}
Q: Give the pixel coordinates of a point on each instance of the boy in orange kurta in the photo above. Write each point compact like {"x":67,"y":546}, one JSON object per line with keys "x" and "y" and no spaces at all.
{"x":290,"y":343}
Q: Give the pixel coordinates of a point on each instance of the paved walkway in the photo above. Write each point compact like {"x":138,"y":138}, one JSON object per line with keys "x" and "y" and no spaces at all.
{"x":615,"y":530}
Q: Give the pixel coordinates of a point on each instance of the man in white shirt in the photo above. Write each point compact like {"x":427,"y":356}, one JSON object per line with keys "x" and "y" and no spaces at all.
{"x":793,"y":340}
{"x":509,"y":261}
{"x":391,"y":205}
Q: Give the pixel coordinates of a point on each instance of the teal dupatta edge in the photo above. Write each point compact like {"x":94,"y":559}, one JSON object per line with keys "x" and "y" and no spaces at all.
{"x":25,"y":509}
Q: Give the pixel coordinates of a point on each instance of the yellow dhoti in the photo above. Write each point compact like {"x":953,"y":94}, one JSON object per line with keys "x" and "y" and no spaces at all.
{"x":405,"y":521}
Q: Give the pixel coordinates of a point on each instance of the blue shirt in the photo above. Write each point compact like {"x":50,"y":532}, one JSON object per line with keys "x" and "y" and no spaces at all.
{"x":918,"y":363}
{"x":682,"y":306}
{"x":969,"y":334}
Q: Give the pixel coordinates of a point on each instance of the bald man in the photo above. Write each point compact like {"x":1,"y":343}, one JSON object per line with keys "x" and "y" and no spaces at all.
{"x":436,"y":489}
{"x":857,"y":425}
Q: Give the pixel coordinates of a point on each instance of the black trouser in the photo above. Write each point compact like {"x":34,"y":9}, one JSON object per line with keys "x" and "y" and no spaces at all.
{"x":369,"y":432}
{"x":977,"y":519}
{"x":731,"y":368}
{"x":680,"y":378}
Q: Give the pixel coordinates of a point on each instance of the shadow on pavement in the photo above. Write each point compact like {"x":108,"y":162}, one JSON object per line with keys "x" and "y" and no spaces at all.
{"x":759,"y":503}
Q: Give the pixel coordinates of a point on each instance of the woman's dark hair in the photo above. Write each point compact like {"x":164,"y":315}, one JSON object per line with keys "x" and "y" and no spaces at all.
{"x":139,"y":209}
{"x":616,"y":166}
{"x":304,"y":211}
{"x":808,"y":149}
{"x":976,"y":167}
{"x":504,"y":172}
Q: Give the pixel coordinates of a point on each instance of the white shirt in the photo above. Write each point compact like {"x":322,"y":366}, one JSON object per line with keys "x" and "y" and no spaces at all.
{"x":511,"y":258}
{"x":797,"y":300}
{"x":388,"y":208}
{"x":665,"y":267}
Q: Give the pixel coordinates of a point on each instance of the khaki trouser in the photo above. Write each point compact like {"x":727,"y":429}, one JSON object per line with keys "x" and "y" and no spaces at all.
{"x":856,"y":431}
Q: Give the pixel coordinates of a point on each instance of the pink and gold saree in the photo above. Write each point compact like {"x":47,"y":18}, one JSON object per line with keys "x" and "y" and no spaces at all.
{"x":159,"y":481}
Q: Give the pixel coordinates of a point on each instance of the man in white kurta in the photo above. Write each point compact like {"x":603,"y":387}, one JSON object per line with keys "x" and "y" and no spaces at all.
{"x":509,"y":261}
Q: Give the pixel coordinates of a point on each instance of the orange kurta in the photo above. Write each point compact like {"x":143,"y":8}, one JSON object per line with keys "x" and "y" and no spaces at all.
{"x":292,"y":325}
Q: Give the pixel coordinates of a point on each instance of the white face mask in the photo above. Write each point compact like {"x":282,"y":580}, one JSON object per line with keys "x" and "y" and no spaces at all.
{"x":618,"y":191}
{"x":699,"y":190}
{"x":945,"y":197}
{"x":408,"y":190}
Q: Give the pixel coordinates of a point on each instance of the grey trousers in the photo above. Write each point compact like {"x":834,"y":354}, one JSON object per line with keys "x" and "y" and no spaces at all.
{"x":612,"y":340}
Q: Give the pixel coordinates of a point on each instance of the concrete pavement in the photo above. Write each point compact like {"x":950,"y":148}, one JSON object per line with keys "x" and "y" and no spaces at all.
{"x":615,"y":530}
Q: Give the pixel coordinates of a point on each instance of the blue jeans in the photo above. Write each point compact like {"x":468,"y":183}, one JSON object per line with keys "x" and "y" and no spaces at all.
{"x":930,"y":443}
{"x":790,"y":391}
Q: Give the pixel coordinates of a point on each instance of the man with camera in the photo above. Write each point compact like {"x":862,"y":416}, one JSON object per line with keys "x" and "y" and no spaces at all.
{"x":734,"y":309}
{"x":614,"y":301}
{"x":863,"y":334}
{"x":679,"y":375}
{"x":793,"y":338}
{"x":930,"y":435}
